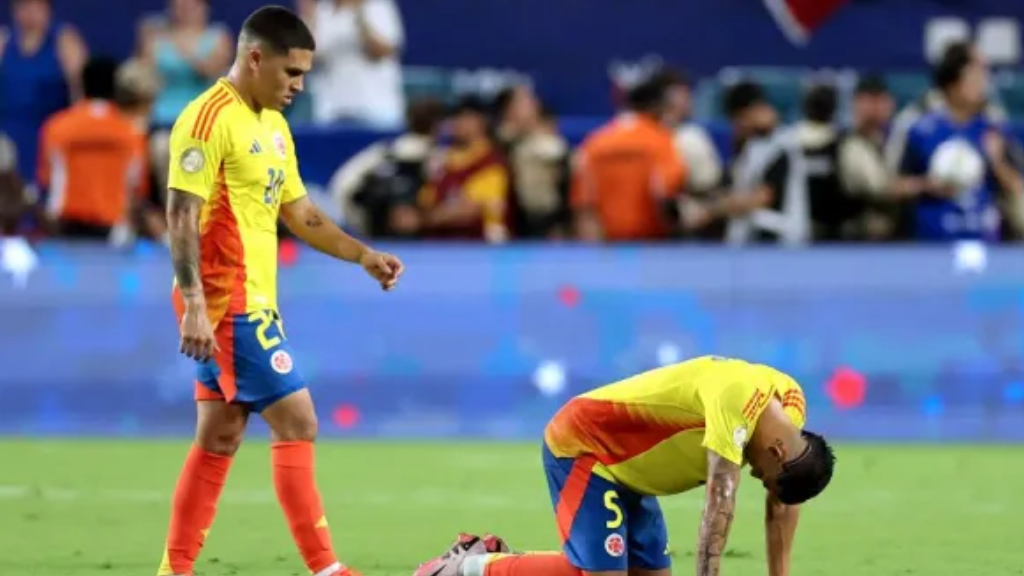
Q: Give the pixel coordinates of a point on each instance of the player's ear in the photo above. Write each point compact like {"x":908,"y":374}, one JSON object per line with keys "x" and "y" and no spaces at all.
{"x":254,"y":56}
{"x":778,"y":451}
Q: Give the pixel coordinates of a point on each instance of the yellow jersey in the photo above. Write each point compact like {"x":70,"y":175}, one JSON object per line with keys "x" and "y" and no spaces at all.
{"x":243,"y":164}
{"x":651,"y":432}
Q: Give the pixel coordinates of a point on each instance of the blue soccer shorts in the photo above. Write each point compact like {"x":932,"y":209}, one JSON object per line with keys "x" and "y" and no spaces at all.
{"x":254,"y":366}
{"x":604,"y":526}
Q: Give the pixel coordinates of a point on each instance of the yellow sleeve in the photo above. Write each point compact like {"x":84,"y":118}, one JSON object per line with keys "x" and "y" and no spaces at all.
{"x":732,"y":406}
{"x":293,"y":187}
{"x":489,"y":188}
{"x":198,"y":145}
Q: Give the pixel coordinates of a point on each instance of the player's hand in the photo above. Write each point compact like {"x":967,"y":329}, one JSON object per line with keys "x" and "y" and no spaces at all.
{"x":197,"y":337}
{"x":995,"y":146}
{"x":383,"y":267}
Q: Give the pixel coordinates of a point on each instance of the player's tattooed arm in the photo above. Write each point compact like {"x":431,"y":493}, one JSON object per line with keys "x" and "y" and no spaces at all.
{"x":183,"y":211}
{"x":719,"y":509}
{"x":780,"y":523}
{"x":307,"y":221}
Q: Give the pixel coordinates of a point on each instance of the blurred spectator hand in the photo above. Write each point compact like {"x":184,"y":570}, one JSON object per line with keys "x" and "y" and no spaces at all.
{"x":995,"y":146}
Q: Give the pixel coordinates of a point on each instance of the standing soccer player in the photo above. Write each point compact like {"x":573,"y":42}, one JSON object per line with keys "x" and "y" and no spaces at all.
{"x":233,"y":173}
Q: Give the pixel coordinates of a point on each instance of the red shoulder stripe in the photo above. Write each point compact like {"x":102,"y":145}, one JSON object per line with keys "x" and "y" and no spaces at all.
{"x":207,"y":113}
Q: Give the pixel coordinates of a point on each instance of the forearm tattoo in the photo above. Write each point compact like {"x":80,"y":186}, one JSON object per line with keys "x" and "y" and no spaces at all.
{"x":718,"y":515}
{"x":183,"y":227}
{"x":314,"y":220}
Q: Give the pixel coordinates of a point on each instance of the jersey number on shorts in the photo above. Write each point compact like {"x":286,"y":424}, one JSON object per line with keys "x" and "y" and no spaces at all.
{"x":273,"y":191}
{"x":611,"y":498}
{"x":265,"y":319}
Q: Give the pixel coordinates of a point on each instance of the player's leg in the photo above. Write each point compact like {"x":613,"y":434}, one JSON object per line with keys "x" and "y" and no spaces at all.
{"x":219,"y":432}
{"x":293,"y":425}
{"x":647,"y":541}
{"x":592,"y":522}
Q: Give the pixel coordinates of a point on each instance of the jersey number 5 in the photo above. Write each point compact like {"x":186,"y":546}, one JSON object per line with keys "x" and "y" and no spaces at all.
{"x":272,"y":194}
{"x":611,"y":502}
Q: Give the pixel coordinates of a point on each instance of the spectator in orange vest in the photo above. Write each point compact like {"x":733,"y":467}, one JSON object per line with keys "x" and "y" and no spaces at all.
{"x":628,"y":173}
{"x":92,"y":161}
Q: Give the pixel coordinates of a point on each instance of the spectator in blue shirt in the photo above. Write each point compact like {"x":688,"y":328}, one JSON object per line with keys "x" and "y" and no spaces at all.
{"x":945,"y":212}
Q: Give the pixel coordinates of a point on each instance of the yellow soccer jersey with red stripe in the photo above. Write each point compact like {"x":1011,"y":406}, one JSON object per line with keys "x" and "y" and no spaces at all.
{"x":651,"y":432}
{"x":242,"y":163}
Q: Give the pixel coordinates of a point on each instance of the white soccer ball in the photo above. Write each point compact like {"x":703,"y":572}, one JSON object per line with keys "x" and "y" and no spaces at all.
{"x":958,"y":164}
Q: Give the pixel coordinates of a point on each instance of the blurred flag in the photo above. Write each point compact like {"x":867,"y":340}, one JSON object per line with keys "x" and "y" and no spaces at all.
{"x":800,"y":18}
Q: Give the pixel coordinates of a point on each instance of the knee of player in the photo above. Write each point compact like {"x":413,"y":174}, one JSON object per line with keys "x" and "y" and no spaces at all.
{"x":224,"y":443}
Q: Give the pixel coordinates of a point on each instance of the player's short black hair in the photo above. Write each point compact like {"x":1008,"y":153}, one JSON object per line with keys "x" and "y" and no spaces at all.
{"x":278,"y":28}
{"x":871,"y":85}
{"x":805,"y":476}
{"x":741,"y":96}
{"x":821,"y":103}
{"x":99,"y":79}
{"x":423,"y":116}
{"x":950,"y":67}
{"x":650,"y":93}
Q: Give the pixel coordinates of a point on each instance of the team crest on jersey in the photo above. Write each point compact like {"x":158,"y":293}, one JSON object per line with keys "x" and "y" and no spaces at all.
{"x":281,"y":362}
{"x":192,"y":160}
{"x":279,"y":144}
{"x":614,"y":545}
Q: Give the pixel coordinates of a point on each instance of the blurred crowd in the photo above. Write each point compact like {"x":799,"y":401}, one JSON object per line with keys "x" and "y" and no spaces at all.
{"x":83,"y":146}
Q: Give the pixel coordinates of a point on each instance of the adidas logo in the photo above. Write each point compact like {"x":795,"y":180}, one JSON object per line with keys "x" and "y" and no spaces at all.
{"x":256,"y":148}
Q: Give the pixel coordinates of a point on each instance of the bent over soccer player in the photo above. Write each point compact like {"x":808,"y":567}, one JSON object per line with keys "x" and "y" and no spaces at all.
{"x":233,"y":172}
{"x":608,"y":454}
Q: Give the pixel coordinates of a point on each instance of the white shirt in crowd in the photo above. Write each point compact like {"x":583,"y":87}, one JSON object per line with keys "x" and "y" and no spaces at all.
{"x":348,"y":84}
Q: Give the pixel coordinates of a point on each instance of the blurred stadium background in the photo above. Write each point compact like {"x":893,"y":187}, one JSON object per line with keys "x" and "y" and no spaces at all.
{"x":897,"y":337}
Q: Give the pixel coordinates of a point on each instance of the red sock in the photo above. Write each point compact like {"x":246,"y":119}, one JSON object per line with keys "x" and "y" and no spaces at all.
{"x":296,"y":488}
{"x":531,"y":564}
{"x":193,"y":508}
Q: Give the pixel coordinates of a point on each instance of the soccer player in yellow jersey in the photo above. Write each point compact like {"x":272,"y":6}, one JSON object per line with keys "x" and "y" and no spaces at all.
{"x":609,"y":453}
{"x":233,"y":174}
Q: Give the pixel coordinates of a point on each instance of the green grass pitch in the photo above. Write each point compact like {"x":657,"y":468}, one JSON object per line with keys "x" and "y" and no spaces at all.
{"x":99,"y":508}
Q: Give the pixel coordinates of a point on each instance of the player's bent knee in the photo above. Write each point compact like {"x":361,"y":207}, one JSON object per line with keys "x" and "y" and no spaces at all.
{"x":220,"y":428}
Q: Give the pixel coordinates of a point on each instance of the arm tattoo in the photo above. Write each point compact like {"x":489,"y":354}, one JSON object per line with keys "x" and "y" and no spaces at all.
{"x":314,"y":220}
{"x":183,"y":226}
{"x":718,"y":514}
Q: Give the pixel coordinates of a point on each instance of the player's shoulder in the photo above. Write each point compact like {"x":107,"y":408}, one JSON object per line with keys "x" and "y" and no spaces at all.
{"x":210,"y":111}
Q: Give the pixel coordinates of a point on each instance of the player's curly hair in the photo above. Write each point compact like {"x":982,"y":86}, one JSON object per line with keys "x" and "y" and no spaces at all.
{"x":807,"y":475}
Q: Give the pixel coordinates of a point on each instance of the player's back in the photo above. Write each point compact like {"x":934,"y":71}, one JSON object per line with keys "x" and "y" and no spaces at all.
{"x":242,"y":163}
{"x":623,"y":168}
{"x":651,"y":431}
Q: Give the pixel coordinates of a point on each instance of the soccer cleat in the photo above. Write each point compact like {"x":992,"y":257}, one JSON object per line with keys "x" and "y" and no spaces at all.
{"x":466,"y":545}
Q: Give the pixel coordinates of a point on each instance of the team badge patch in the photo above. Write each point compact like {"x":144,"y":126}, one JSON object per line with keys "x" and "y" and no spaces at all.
{"x":614,"y":545}
{"x":281,"y":362}
{"x":282,"y":149}
{"x":192,"y":160}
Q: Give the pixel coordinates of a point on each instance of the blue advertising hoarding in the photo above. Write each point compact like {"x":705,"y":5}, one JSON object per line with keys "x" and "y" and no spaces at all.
{"x":483,"y":342}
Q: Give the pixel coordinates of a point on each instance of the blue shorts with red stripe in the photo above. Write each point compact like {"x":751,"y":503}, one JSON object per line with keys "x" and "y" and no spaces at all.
{"x":604,"y":526}
{"x":254,"y":366}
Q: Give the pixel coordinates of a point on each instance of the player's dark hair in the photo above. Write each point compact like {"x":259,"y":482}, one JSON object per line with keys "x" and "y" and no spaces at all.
{"x":423,"y":116}
{"x":820,"y":104}
{"x":741,"y":96}
{"x":650,"y":93}
{"x":807,"y":475}
{"x":279,"y":29}
{"x":950,"y":68}
{"x":99,"y":79}
{"x":871,"y":85}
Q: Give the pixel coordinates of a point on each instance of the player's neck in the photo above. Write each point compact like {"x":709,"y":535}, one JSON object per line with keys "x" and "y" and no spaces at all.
{"x":242,"y":88}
